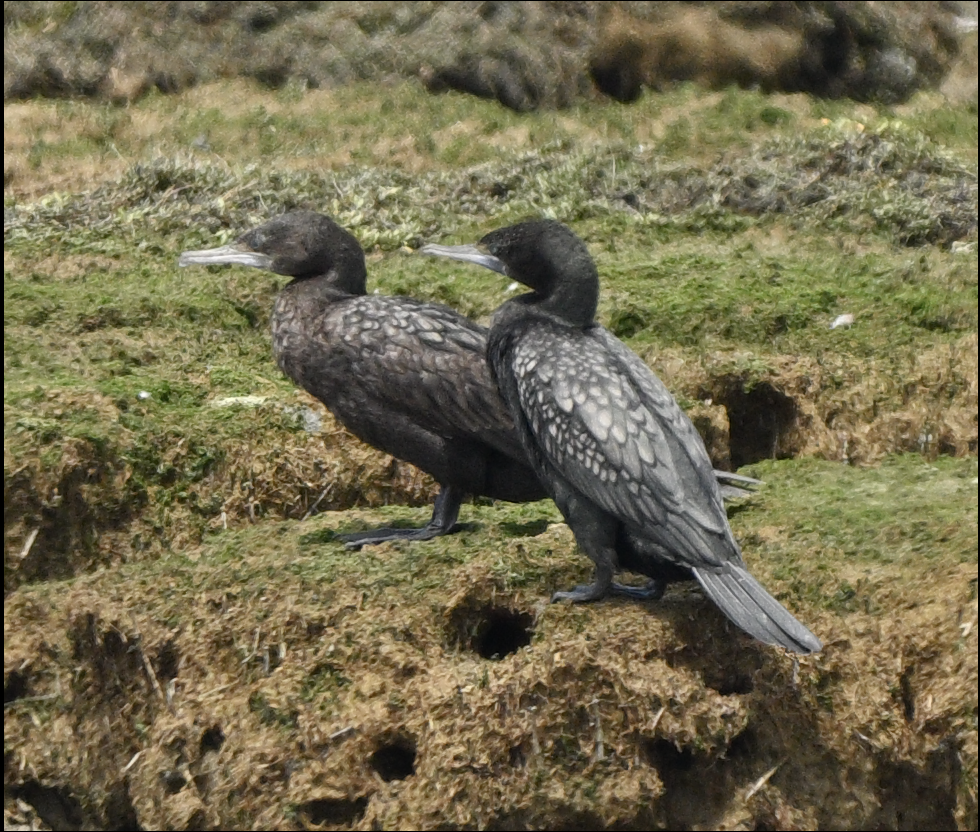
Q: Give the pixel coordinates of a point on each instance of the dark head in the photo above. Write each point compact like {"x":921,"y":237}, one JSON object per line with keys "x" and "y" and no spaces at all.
{"x":547,"y":257}
{"x":298,"y":244}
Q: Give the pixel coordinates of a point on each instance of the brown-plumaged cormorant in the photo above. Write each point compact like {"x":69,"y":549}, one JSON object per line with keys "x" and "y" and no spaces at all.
{"x":407,"y":377}
{"x":618,"y":455}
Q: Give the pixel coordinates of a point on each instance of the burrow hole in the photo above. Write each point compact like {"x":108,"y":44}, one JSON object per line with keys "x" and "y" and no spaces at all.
{"x":492,"y":632}
{"x":212,"y":739}
{"x":762,"y":422}
{"x":730,"y":683}
{"x":395,"y":758}
{"x":15,"y":687}
{"x":55,"y":805}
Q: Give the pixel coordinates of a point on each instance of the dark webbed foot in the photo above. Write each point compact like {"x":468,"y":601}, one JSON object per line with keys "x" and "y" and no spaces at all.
{"x":355,"y":540}
{"x":653,"y":591}
{"x":604,"y":558}
{"x":581,"y":594}
{"x":443,"y":521}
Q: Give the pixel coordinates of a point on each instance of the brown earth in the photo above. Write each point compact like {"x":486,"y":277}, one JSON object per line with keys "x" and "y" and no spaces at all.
{"x":475,"y":706}
{"x":217,"y":693}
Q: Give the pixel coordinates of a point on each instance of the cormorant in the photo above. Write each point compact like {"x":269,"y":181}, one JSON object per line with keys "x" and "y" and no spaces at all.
{"x":407,"y":377}
{"x":618,"y":455}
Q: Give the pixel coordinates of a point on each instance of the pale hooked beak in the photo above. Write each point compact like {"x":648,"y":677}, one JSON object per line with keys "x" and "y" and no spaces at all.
{"x":468,"y":254}
{"x":234,"y":254}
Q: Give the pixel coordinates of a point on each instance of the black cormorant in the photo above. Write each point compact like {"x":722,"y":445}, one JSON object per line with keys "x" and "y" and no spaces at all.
{"x":618,"y":455}
{"x":407,"y":377}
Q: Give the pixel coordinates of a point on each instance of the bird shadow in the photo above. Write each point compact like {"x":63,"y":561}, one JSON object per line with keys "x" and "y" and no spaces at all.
{"x":530,"y":529}
{"x":338,"y":535}
{"x":737,"y":507}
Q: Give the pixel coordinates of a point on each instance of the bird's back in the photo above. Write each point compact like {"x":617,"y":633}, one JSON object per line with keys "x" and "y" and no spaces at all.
{"x":386,"y":365}
{"x":598,"y":418}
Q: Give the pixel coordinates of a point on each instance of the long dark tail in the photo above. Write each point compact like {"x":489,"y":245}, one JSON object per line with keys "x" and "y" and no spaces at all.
{"x":744,"y":600}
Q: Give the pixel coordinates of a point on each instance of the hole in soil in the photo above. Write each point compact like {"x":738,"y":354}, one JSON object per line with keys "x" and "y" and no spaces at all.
{"x":167,"y":661}
{"x":761,"y":422}
{"x":173,"y":781}
{"x":493,"y":632}
{"x":743,"y":745}
{"x":667,"y":758}
{"x":501,"y":633}
{"x":15,"y":687}
{"x":116,"y":648}
{"x":696,"y":786}
{"x":54,"y":805}
{"x":333,"y":812}
{"x":919,"y":798}
{"x":395,"y":760}
{"x":212,"y":739}
{"x":119,"y":810}
{"x":732,"y":684}
{"x":730,"y":679}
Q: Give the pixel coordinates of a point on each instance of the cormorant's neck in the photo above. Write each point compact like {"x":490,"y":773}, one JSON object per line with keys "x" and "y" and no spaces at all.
{"x":554,"y":307}
{"x":344,"y":282}
{"x":565,"y":281}
{"x":573,"y":301}
{"x":317,"y":286}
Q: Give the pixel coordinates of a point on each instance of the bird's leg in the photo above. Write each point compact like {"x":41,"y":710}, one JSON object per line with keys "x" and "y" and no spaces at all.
{"x":591,"y":592}
{"x":444,"y":514}
{"x":595,"y":533}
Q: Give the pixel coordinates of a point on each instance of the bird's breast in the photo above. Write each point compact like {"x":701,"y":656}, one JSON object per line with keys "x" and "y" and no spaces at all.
{"x":305,"y":346}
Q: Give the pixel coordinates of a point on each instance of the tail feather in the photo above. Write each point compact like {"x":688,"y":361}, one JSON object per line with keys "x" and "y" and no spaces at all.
{"x":735,"y":486}
{"x":744,"y":600}
{"x":731,"y":476}
{"x":733,"y":492}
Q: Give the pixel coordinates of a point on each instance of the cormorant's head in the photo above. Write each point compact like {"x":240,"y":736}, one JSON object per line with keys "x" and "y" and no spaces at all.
{"x":544,"y":255}
{"x":298,"y":244}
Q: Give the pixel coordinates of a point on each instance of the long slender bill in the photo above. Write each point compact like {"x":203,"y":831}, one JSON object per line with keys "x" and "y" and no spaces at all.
{"x":233,"y":254}
{"x":468,"y":254}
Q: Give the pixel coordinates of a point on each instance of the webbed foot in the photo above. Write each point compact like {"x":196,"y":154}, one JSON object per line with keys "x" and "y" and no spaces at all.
{"x":581,"y":594}
{"x":444,"y":514}
{"x":355,"y":540}
{"x":653,"y":591}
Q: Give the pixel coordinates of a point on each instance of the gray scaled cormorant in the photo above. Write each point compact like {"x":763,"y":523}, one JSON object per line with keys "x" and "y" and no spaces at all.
{"x":407,"y":377}
{"x":618,"y":455}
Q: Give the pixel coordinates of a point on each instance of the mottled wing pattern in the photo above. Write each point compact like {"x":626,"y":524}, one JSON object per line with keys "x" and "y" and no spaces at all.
{"x":608,"y":435}
{"x":427,"y":361}
{"x":691,"y":459}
